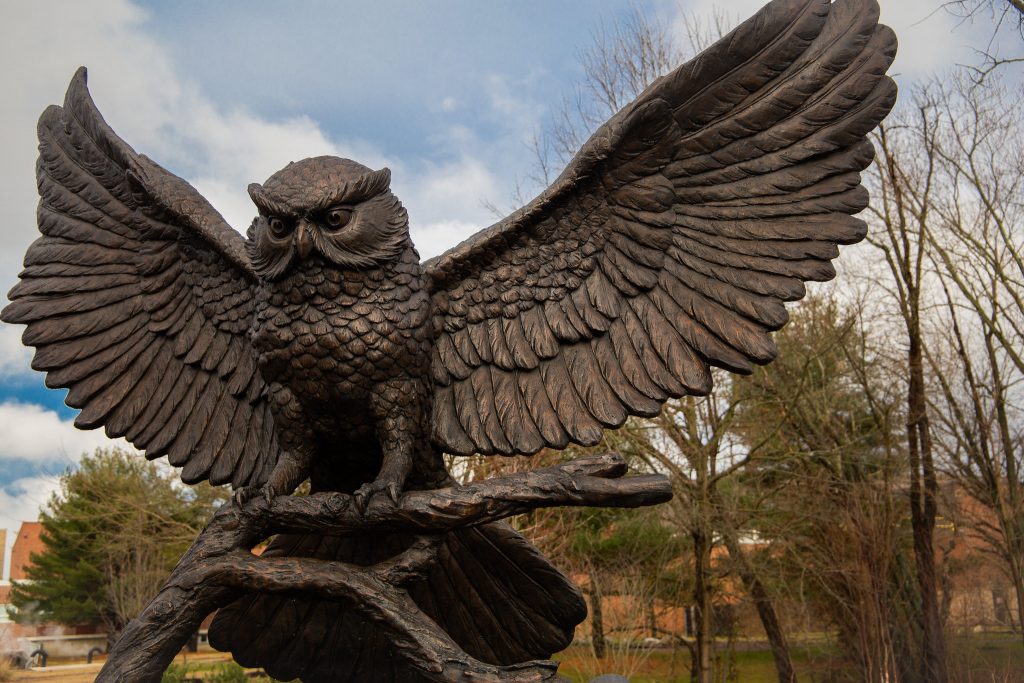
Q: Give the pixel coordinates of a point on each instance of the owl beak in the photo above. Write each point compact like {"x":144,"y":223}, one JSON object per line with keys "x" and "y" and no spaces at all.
{"x":303,"y":240}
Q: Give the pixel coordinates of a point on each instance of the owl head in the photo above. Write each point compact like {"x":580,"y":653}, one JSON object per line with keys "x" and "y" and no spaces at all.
{"x":335,"y":208}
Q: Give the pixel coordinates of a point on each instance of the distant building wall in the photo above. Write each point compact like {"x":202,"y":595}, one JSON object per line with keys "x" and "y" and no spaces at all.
{"x":3,"y":552}
{"x":28,"y":541}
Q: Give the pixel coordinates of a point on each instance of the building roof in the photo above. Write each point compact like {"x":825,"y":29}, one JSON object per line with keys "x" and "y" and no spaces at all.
{"x":27,"y":542}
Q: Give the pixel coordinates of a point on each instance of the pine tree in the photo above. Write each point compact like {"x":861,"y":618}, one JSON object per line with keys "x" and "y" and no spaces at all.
{"x":110,"y":536}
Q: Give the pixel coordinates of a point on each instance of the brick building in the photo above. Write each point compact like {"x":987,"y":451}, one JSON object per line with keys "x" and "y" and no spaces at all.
{"x":23,"y":639}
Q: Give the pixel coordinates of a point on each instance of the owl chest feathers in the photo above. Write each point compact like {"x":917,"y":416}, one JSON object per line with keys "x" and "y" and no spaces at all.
{"x":329,"y":333}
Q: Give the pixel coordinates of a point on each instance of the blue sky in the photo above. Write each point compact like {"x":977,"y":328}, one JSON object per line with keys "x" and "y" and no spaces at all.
{"x":447,"y":94}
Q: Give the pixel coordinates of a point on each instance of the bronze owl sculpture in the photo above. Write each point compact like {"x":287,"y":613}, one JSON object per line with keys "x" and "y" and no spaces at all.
{"x":319,"y":347}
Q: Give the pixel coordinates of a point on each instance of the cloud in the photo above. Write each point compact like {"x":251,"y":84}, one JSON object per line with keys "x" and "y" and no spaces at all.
{"x":446,"y":202}
{"x":37,"y":440}
{"x":435,"y":238}
{"x":135,"y":85}
{"x":14,"y":356}
{"x":36,"y":434}
{"x":518,"y":113}
{"x":219,"y":148}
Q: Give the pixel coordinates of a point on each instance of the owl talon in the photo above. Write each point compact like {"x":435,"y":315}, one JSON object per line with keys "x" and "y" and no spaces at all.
{"x":243,"y":495}
{"x":367,"y":491}
{"x":359,"y":498}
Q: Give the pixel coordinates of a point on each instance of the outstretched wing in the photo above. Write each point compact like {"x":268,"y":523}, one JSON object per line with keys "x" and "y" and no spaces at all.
{"x":137,"y":298}
{"x":670,"y":242}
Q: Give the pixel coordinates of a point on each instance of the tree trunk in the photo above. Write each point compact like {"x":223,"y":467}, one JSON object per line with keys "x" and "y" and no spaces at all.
{"x":923,"y":490}
{"x":597,"y":641}
{"x":765,"y":610}
{"x":652,"y":616}
{"x":1018,"y":588}
{"x":703,"y":633}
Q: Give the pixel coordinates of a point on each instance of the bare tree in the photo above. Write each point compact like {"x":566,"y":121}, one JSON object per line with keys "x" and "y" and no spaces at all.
{"x":693,"y":441}
{"x":905,"y":187}
{"x":1002,"y":14}
{"x":978,"y":255}
{"x":824,"y":417}
{"x":623,"y":59}
{"x":686,"y":441}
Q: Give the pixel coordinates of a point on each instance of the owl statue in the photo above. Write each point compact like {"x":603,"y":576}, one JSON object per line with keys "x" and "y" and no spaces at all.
{"x":319,"y":347}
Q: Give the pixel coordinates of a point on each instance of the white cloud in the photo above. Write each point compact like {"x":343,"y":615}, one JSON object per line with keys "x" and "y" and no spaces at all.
{"x":34,"y":433}
{"x":520,"y":114}
{"x":152,"y":107}
{"x":14,"y":356}
{"x":445,"y":202}
{"x":219,"y":149}
{"x":435,"y":238}
{"x":229,"y":150}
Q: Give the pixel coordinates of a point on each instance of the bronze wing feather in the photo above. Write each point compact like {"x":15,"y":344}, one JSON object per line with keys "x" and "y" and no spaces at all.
{"x":137,"y":297}
{"x":670,"y":242}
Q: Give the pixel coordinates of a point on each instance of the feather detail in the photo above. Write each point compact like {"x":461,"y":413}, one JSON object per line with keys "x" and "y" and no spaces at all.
{"x":131,"y":294}
{"x":673,"y":239}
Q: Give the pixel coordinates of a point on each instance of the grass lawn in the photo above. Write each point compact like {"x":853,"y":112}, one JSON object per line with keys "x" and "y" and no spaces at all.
{"x":974,"y":658}
{"x":666,"y":666}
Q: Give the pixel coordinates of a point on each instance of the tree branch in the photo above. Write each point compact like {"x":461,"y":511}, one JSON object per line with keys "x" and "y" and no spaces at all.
{"x":218,"y":567}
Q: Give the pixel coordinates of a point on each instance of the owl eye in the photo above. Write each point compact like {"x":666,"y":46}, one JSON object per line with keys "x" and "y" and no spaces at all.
{"x":278,"y":227}
{"x":337,"y":218}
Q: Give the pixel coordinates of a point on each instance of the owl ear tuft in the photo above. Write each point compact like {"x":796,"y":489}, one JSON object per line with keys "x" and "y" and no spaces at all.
{"x":266,"y":204}
{"x":370,"y":184}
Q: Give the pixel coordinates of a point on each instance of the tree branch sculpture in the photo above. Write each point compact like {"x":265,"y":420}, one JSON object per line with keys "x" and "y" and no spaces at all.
{"x":220,"y":564}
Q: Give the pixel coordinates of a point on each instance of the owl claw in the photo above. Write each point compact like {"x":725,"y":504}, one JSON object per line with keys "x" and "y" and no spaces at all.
{"x":364,"y":493}
{"x":241,"y":496}
{"x":394,"y":493}
{"x":359,"y":498}
{"x":246,"y":493}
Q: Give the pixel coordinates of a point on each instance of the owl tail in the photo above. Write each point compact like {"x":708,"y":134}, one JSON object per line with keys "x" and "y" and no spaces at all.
{"x":490,"y":590}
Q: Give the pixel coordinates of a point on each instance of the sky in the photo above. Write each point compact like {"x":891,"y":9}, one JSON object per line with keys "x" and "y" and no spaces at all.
{"x":446,"y":94}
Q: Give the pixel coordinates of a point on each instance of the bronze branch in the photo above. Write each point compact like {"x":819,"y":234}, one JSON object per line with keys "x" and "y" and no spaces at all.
{"x":220,"y":565}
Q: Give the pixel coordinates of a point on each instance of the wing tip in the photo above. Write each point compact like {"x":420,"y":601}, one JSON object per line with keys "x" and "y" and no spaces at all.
{"x":9,"y":314}
{"x":78,"y":88}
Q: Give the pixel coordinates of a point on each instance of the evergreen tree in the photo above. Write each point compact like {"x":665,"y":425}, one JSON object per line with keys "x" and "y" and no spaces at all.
{"x":110,"y":537}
